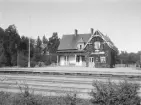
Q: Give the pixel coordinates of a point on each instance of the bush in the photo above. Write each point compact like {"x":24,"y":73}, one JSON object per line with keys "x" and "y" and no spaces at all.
{"x":22,"y":60}
{"x":31,"y":99}
{"x":26,"y":97}
{"x":3,"y":60}
{"x":138,"y":64}
{"x":110,"y":93}
{"x":33,"y":63}
{"x":71,"y":99}
{"x":5,"y":98}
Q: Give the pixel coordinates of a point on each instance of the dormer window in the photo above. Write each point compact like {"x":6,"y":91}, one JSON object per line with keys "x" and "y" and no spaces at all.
{"x":80,"y":44}
{"x":80,"y":47}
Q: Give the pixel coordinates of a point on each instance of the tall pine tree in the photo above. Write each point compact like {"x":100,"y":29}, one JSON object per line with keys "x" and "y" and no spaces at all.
{"x":54,"y":42}
{"x":38,"y":50}
{"x":44,"y":45}
{"x":11,"y":45}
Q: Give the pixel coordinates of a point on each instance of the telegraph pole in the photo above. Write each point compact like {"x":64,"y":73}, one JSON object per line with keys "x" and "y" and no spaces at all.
{"x":29,"y":54}
{"x":140,"y":57}
{"x":29,"y":42}
{"x":140,"y":60}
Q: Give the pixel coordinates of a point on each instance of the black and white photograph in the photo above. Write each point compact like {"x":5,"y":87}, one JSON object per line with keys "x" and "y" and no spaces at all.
{"x":70,"y":52}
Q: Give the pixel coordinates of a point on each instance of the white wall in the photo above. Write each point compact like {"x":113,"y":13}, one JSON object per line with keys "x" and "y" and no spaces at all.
{"x":71,"y":59}
{"x":79,"y":63}
{"x":62,"y":60}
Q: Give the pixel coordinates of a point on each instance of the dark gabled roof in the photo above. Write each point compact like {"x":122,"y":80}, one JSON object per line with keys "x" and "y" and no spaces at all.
{"x":70,"y":41}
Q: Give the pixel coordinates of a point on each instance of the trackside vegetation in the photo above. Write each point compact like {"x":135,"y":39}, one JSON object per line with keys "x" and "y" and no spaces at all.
{"x":111,"y":93}
{"x":31,"y":99}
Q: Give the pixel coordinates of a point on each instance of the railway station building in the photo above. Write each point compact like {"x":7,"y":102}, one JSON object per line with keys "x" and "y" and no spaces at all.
{"x":91,"y":50}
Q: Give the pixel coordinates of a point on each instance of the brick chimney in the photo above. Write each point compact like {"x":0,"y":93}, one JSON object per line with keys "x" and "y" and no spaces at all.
{"x":92,"y":31}
{"x":75,"y":32}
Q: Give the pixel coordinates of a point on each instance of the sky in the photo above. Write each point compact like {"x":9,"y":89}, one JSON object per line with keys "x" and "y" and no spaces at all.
{"x":119,"y":19}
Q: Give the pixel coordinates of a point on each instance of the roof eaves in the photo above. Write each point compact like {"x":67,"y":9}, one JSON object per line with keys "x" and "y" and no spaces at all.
{"x":107,"y":41}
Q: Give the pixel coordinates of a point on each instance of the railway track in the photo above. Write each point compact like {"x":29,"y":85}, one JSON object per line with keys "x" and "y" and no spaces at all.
{"x":54,"y":84}
{"x":62,"y":80}
{"x":127,"y":72}
{"x":47,"y":85}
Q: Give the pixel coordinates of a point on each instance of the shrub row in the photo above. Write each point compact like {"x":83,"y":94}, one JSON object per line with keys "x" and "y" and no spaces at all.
{"x":31,"y":99}
{"x":110,"y":93}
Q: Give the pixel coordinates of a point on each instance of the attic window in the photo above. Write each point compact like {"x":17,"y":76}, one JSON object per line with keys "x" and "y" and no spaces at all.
{"x":97,"y":45}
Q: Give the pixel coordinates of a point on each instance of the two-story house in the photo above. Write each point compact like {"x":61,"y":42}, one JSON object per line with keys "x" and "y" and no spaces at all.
{"x":92,"y":50}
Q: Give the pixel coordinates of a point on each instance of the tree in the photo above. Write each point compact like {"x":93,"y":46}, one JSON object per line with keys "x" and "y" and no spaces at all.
{"x":44,"y":40}
{"x":39,"y":43}
{"x":22,"y":59}
{"x":128,"y":58}
{"x":3,"y":60}
{"x":123,"y":57}
{"x":24,"y":45}
{"x":44,"y":45}
{"x":38,"y":50}
{"x":132,"y":58}
{"x":54,"y":42}
{"x":11,"y":44}
{"x":24,"y":50}
{"x":2,"y":34}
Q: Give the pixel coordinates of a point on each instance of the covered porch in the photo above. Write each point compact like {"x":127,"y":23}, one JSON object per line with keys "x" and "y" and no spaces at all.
{"x":71,"y":59}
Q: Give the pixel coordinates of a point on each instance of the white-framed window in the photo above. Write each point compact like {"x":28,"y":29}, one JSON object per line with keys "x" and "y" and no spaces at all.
{"x":97,"y":45}
{"x":91,"y":59}
{"x":78,"y":59}
{"x":103,"y":59}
